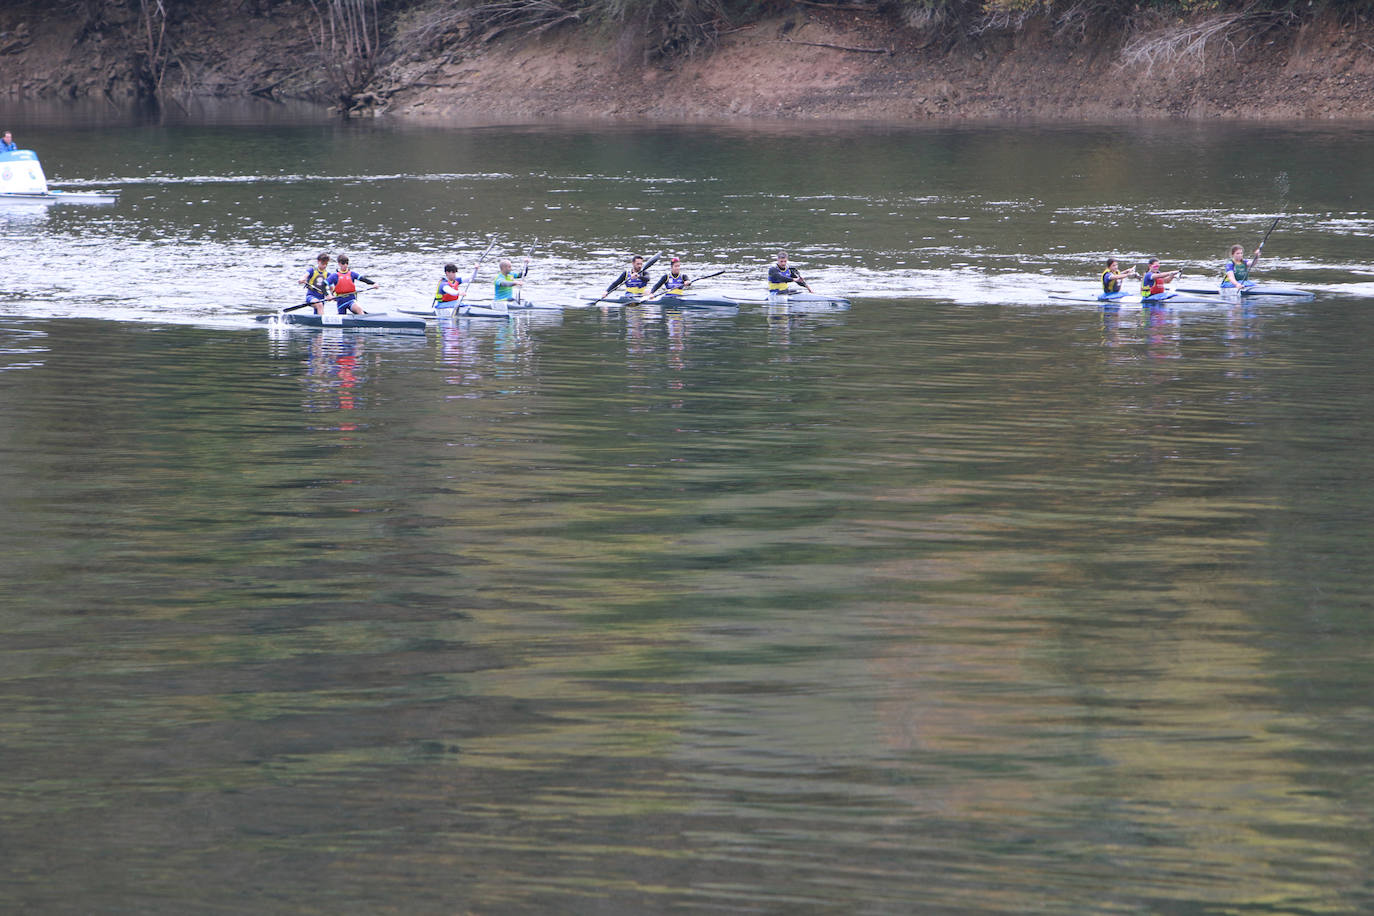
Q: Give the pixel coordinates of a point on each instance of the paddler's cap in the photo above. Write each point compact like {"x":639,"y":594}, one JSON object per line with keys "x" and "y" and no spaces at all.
{"x":675,"y":261}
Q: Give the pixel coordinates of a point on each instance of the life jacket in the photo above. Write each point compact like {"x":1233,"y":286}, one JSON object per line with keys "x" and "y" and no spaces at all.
{"x":636,"y":283}
{"x":674,"y":286}
{"x":775,"y":287}
{"x":314,"y":282}
{"x":345,"y":284}
{"x":1108,"y":284}
{"x":1150,"y":284}
{"x":441,"y":296}
{"x":1241,"y":271}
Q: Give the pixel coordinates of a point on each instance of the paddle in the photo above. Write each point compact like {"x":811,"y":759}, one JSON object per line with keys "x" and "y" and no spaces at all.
{"x":623,"y":277}
{"x":524,"y":272}
{"x":796,"y":275}
{"x":689,"y":283}
{"x":707,"y":277}
{"x":1263,"y":240}
{"x":462,"y":293}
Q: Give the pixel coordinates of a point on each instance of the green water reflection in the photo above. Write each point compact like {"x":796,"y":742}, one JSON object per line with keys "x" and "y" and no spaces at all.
{"x":918,"y":607}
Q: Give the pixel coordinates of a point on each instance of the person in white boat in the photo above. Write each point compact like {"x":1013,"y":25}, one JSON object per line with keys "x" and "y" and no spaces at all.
{"x":1236,"y":272}
{"x":781,"y":277}
{"x":7,"y":144}
{"x":1113,"y":275}
{"x":450,"y":288}
{"x":507,"y":281}
{"x":674,"y":282}
{"x":636,"y":279}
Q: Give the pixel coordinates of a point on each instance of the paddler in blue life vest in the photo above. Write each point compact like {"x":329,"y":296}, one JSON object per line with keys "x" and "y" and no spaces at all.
{"x":636,"y":279}
{"x":450,"y":288}
{"x":1152,"y":284}
{"x":780,"y":277}
{"x":316,"y":282}
{"x":506,"y":281}
{"x":343,"y":285}
{"x":674,"y":282}
{"x":1236,"y":272}
{"x":7,"y":145}
{"x":1112,"y":277}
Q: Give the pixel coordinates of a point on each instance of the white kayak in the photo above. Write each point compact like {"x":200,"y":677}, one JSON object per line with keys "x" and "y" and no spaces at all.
{"x":1249,"y":290}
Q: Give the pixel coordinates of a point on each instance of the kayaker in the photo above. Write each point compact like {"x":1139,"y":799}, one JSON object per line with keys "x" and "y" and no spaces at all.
{"x":7,"y":144}
{"x":674,"y":282}
{"x":1112,"y":277}
{"x":636,"y":279}
{"x":507,"y":281}
{"x":780,"y":277}
{"x":450,"y":288}
{"x":343,"y":285}
{"x":316,"y":282}
{"x":1152,"y":284}
{"x":1236,"y":272}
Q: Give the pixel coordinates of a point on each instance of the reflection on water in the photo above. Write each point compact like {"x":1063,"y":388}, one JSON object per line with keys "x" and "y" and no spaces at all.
{"x":922,"y":606}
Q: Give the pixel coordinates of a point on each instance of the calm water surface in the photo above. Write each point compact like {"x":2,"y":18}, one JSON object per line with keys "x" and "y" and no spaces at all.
{"x":959,"y":601}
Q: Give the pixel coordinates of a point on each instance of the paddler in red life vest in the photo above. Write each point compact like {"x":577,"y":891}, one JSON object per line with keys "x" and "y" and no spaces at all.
{"x":316,"y":283}
{"x":342,"y":283}
{"x":450,"y":288}
{"x":1152,"y":284}
{"x":674,"y":282}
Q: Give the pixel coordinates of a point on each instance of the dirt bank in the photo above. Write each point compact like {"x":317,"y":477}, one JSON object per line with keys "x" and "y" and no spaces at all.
{"x":812,"y":63}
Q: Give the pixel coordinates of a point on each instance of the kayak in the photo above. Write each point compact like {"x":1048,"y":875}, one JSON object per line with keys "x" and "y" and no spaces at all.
{"x":1253,"y":289}
{"x":685,"y":301}
{"x":475,"y":310}
{"x":371,"y":320}
{"x":1108,"y":300}
{"x":812,"y":300}
{"x":22,"y":181}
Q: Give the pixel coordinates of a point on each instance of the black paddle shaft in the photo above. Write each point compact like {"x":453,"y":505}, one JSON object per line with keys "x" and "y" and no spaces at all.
{"x":1272,"y":226}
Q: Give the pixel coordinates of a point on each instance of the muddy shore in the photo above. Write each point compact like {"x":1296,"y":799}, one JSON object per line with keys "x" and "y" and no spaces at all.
{"x":813,"y":63}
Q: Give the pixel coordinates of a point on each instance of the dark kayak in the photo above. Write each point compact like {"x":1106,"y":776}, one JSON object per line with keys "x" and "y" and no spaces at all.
{"x":374,"y":320}
{"x":685,"y":301}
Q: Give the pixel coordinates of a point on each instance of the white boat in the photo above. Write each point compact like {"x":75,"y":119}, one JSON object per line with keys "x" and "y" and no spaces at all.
{"x":22,"y":181}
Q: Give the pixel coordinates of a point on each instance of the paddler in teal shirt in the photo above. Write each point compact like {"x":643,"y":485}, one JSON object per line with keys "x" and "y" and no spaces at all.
{"x":1236,"y":272}
{"x":507,"y":281}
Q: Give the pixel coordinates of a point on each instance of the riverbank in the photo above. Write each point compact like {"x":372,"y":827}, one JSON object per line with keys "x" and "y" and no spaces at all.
{"x":811,"y":63}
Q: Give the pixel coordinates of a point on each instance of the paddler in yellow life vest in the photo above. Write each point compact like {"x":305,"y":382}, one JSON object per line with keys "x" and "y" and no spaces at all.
{"x":636,"y":279}
{"x":781,"y":277}
{"x":674,"y":282}
{"x":450,"y":288}
{"x":1112,"y":277}
{"x":343,"y":285}
{"x":315,"y":281}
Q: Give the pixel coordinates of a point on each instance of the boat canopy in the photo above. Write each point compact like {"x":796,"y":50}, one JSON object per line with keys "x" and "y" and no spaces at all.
{"x":22,"y":173}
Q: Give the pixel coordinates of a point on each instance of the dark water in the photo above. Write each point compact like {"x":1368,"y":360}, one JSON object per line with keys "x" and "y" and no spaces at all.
{"x":966,"y":602}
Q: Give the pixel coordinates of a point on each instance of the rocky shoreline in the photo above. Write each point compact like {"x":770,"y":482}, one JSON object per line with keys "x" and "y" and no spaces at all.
{"x":815,"y":62}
